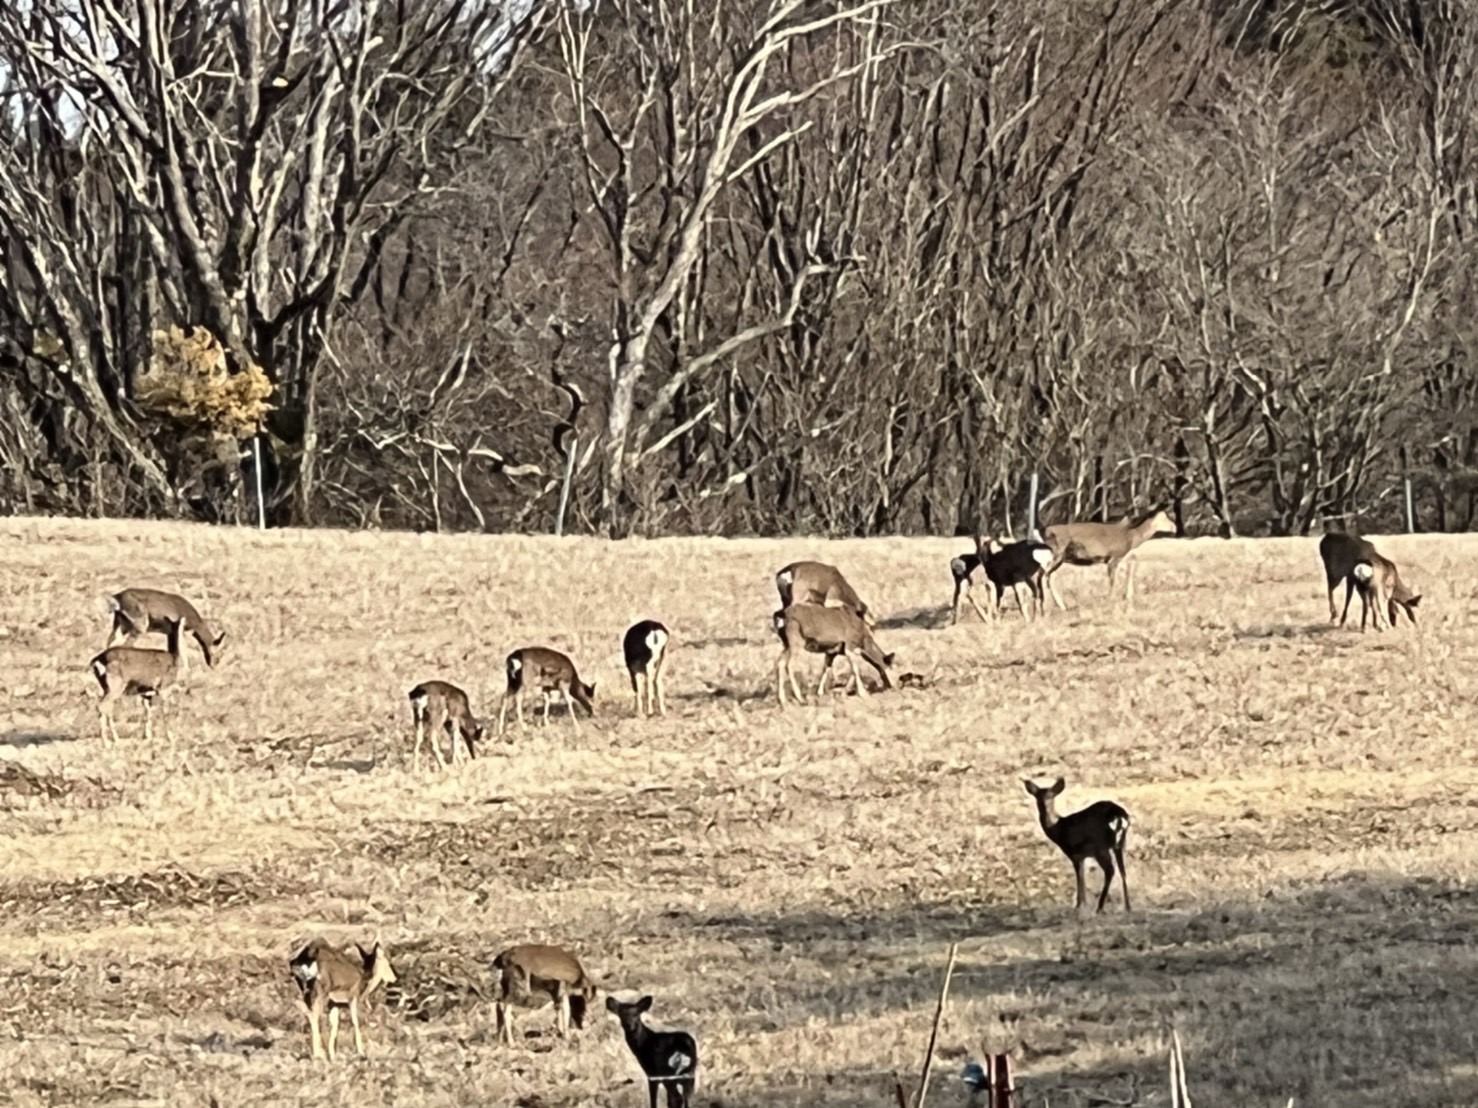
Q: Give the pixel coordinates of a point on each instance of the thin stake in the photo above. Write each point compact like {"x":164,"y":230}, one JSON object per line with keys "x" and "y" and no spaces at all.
{"x":256,"y":452}
{"x":1031,"y":507}
{"x":949,"y":972}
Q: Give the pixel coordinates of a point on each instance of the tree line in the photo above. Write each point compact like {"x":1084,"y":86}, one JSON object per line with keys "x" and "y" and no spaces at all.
{"x":740,"y":266}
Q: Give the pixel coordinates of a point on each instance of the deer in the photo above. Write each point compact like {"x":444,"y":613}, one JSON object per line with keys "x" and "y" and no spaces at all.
{"x":1352,"y":561}
{"x":548,"y":671}
{"x":1098,"y":832}
{"x":645,"y":648}
{"x":668,"y":1058}
{"x":330,"y":980}
{"x":147,"y":674}
{"x":833,"y":632}
{"x":531,"y":971}
{"x":437,"y":707}
{"x":819,"y":583}
{"x":1091,"y":544}
{"x":1004,"y":566}
{"x":139,"y":611}
{"x":1382,"y":592}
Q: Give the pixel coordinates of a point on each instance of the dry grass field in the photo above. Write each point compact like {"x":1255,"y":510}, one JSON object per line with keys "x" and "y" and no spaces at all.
{"x":786,"y":884}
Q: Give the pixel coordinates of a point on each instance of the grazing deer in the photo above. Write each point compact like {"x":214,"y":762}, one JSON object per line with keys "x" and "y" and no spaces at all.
{"x":1005,"y":566}
{"x":330,"y":979}
{"x":668,"y":1058}
{"x":528,"y":973}
{"x":538,"y":668}
{"x":139,"y":611}
{"x":121,"y":670}
{"x":1097,"y":831}
{"x":1091,"y":544}
{"x":645,"y":647}
{"x":819,"y":583}
{"x":830,"y":631}
{"x":1352,"y":561}
{"x":1382,"y":592}
{"x":439,"y":706}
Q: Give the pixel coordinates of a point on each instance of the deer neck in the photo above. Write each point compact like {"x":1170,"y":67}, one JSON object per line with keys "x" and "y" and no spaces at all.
{"x":1047,"y":813}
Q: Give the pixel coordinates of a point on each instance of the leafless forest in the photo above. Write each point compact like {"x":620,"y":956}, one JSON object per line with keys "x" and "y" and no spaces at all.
{"x":758,"y":266}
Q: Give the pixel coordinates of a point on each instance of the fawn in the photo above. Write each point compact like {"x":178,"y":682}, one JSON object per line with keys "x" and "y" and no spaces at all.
{"x":1097,"y":831}
{"x":668,"y":1058}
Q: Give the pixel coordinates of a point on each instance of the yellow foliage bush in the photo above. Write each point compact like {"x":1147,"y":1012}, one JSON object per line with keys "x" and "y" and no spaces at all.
{"x":188,"y":382}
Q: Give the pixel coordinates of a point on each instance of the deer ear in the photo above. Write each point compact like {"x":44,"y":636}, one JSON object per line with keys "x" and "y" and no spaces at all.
{"x":644,"y":1004}
{"x":1031,"y":787}
{"x":1057,"y":786}
{"x":612,"y":1005}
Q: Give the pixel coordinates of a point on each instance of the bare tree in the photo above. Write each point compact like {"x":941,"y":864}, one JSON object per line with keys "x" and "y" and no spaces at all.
{"x":233,"y":165}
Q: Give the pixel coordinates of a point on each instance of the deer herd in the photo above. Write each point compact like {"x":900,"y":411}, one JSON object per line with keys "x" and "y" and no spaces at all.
{"x":820,"y":613}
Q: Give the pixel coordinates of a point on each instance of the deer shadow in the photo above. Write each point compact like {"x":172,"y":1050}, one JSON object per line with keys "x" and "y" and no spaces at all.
{"x":918,"y":619}
{"x":22,"y":739}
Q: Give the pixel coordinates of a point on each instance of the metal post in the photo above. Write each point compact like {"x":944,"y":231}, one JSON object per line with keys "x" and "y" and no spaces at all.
{"x":256,"y":466}
{"x":564,"y":492}
{"x":1410,"y":507}
{"x":1031,"y":507}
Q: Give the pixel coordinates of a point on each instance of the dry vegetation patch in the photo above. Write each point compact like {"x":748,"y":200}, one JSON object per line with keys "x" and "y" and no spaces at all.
{"x":785,"y":883}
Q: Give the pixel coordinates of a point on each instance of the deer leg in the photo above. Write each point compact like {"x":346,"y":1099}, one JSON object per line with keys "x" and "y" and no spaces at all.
{"x":856,"y":675}
{"x":780,"y":668}
{"x":562,"y":1017}
{"x":970,"y":596}
{"x":825,"y":675}
{"x":105,"y":716}
{"x":1082,"y":891}
{"x":1020,"y":607}
{"x":1105,"y":860}
{"x":954,"y":605}
{"x":570,"y":707}
{"x":661,"y":689}
{"x":1123,"y":873}
{"x":547,"y":700}
{"x":354,"y":1022}
{"x":1056,"y":599}
{"x":333,"y":1032}
{"x":148,"y":718}
{"x":1349,"y":592}
{"x":315,"y":1031}
{"x":436,"y":727}
{"x":1334,"y":604}
{"x":416,"y":749}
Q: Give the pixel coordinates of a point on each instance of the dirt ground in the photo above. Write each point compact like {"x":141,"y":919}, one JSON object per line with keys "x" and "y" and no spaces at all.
{"x":785,"y":884}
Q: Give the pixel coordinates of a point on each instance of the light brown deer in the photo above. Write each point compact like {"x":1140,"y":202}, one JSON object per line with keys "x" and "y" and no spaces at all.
{"x":531,"y":972}
{"x":1091,"y":544}
{"x":1098,"y":831}
{"x":834,"y":632}
{"x":540,"y":669}
{"x":330,"y":980}
{"x":440,"y":707}
{"x":1382,"y":592}
{"x":819,"y":583}
{"x":138,"y":611}
{"x":147,"y":674}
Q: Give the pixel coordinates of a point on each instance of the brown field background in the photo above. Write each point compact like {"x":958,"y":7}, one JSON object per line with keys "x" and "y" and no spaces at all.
{"x":786,"y":884}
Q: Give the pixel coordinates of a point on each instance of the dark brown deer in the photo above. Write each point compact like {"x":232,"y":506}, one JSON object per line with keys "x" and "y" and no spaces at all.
{"x":545,"y":671}
{"x":1098,"y":832}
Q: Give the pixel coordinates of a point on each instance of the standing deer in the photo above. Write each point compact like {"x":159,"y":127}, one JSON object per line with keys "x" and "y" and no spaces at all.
{"x":1091,"y":544}
{"x":830,"y":631}
{"x":819,"y":583}
{"x":530,"y":972}
{"x":139,"y":611}
{"x":538,"y":668}
{"x":645,"y":649}
{"x":1098,"y":832}
{"x":668,"y":1058}
{"x":437,"y":707}
{"x":1353,"y":562}
{"x":124,"y":670}
{"x":329,"y":980}
{"x":1005,"y":566}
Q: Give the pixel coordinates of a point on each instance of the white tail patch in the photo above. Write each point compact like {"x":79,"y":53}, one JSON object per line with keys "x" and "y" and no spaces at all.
{"x":113,"y":605}
{"x":656,"y":640}
{"x":679,"y":1062}
{"x":100,"y":667}
{"x":1363,"y":572}
{"x":1042,"y":556}
{"x":418,"y":703}
{"x":779,"y":621}
{"x":515,"y":666}
{"x":784,"y":578}
{"x":957,"y":567}
{"x":1119,"y":825}
{"x":306,"y":971}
